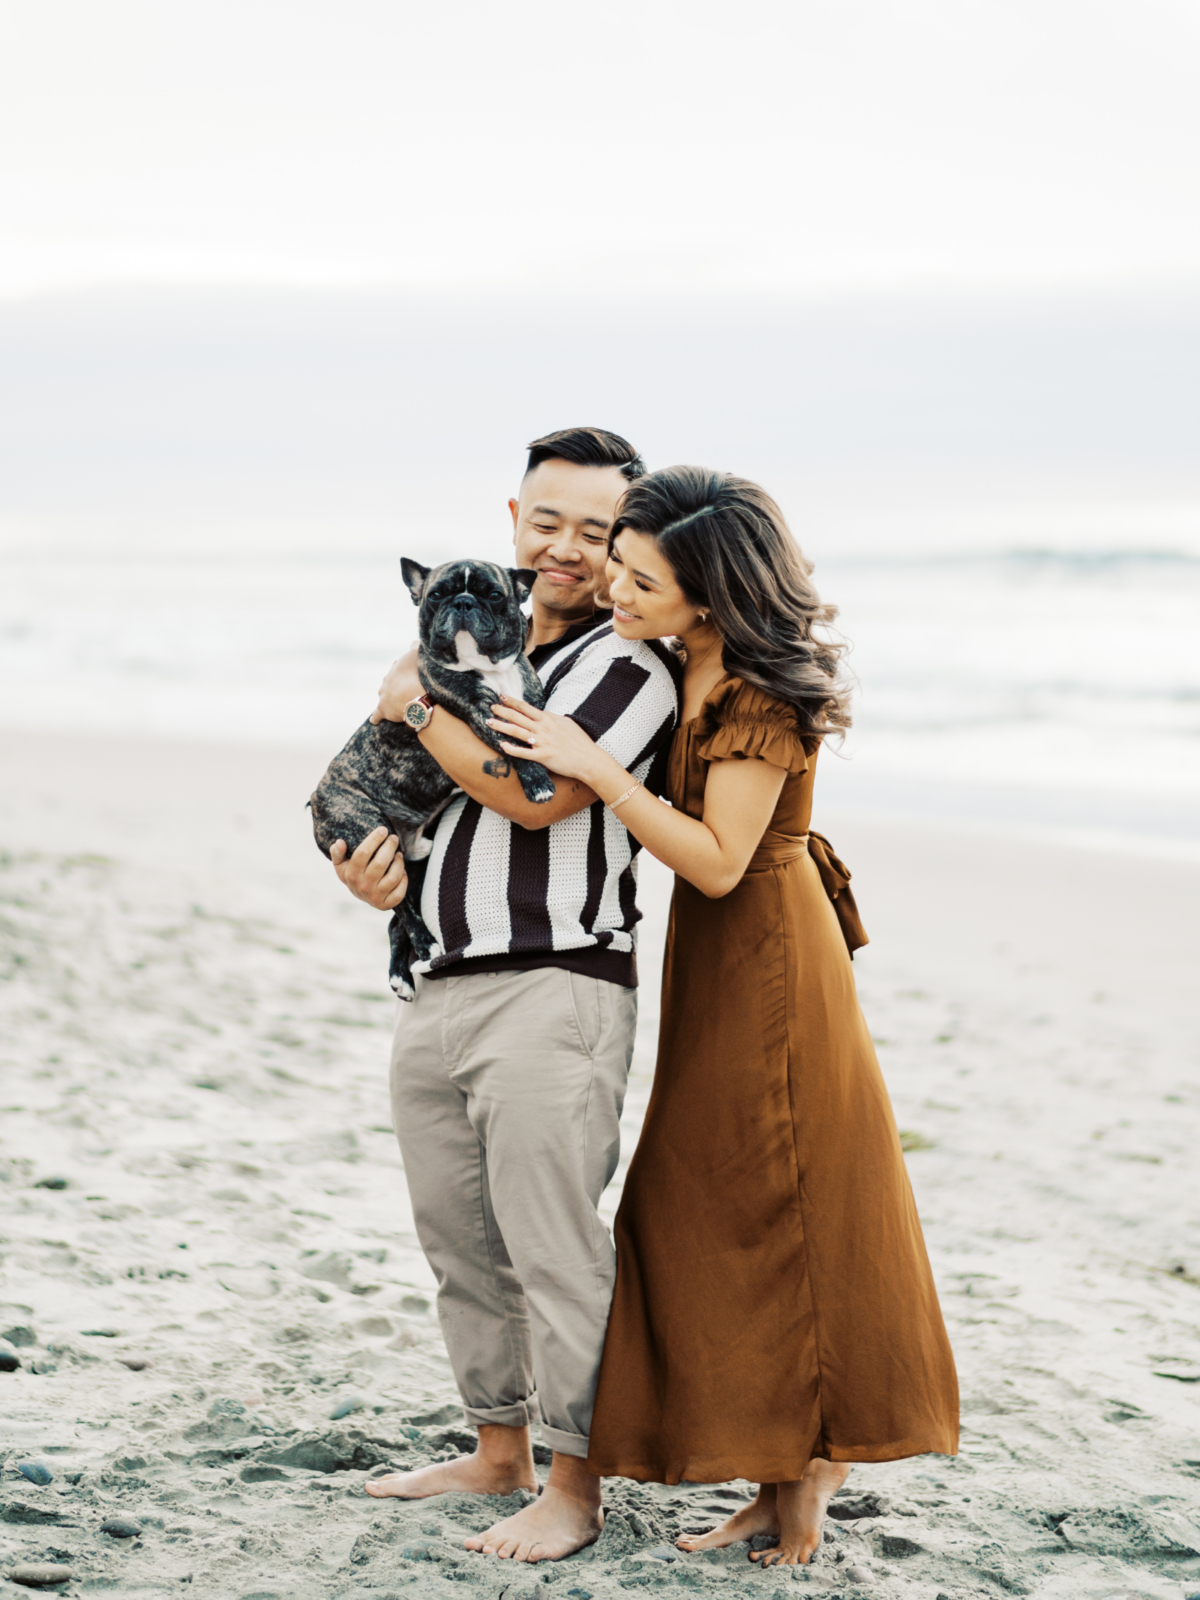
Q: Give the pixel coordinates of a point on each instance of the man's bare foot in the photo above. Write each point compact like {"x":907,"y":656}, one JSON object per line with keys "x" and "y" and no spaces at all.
{"x":801,"y":1508}
{"x":467,"y":1475}
{"x":502,"y":1463}
{"x":760,"y":1516}
{"x":564,"y":1518}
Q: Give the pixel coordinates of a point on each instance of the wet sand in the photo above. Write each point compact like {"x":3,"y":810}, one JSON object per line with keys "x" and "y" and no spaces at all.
{"x":224,"y":1325}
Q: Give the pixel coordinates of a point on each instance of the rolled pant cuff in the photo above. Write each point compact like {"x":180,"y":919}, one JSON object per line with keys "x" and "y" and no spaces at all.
{"x":567,"y":1444}
{"x":521,"y":1414}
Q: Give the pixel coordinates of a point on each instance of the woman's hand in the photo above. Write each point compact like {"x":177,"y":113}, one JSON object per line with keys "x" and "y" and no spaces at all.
{"x":555,"y":741}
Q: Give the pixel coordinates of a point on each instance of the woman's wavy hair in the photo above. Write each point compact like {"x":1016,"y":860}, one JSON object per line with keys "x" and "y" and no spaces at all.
{"x":733,"y":555}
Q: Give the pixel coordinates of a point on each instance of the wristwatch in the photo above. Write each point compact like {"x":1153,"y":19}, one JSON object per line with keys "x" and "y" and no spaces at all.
{"x":418,"y":712}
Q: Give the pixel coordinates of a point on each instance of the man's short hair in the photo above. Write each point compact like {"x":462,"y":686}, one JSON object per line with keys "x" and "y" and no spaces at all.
{"x":587,"y":447}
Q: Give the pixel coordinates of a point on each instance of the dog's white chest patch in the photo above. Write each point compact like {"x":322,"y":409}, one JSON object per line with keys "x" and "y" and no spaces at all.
{"x":503,"y":677}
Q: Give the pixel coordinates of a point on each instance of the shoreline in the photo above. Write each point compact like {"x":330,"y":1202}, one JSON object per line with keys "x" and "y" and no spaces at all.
{"x":1135,"y":822}
{"x":195,"y":1041}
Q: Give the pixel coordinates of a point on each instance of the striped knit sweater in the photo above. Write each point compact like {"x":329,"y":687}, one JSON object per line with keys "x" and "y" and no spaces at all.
{"x":497,"y":894}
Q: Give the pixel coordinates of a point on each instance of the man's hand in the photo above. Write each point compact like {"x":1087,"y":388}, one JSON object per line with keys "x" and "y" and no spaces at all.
{"x":399,"y":687}
{"x":375,"y":872}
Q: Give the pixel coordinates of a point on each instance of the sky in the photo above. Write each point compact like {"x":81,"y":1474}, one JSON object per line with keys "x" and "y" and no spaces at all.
{"x":285,"y":288}
{"x":269,"y":263}
{"x":642,"y":147}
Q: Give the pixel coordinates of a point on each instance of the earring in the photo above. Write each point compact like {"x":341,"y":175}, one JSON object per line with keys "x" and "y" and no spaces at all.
{"x":703,"y":615}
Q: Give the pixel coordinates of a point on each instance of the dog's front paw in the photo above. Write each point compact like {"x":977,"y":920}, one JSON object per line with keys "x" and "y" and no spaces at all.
{"x":536,"y":783}
{"x":402,"y":985}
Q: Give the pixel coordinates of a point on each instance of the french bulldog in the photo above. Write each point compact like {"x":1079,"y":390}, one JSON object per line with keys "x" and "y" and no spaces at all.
{"x":471,"y":635}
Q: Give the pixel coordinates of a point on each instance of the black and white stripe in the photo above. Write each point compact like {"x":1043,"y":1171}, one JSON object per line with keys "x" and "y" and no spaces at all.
{"x":493,"y":888}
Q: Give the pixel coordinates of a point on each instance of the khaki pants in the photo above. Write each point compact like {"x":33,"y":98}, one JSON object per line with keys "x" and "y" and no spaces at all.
{"x":507,"y":1090}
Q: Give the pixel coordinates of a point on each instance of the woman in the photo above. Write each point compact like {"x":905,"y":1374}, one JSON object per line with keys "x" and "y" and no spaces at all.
{"x":774,"y":1316}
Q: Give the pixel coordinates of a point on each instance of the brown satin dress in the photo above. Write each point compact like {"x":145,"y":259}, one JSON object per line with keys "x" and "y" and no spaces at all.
{"x":773,"y":1299}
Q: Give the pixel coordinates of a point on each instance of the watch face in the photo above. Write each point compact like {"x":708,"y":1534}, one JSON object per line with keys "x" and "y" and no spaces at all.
{"x":416,"y":715}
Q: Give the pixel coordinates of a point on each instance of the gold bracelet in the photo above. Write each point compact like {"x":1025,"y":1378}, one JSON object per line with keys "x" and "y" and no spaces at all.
{"x":613,"y":804}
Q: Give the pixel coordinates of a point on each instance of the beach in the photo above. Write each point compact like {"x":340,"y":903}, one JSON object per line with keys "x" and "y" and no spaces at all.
{"x":285,"y":295}
{"x":223,"y":1321}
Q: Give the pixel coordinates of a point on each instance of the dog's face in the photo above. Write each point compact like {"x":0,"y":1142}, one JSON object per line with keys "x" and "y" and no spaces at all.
{"x":476,"y":598}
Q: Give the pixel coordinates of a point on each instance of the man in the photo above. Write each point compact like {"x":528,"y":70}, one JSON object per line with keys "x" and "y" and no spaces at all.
{"x":509,"y":1067}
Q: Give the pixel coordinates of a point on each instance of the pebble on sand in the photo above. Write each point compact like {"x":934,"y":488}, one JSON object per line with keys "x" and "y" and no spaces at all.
{"x":346,"y":1406}
{"x":332,"y":1267}
{"x":9,"y":1359}
{"x":35,"y":1471}
{"x":417,"y":1552}
{"x":19,"y":1336}
{"x":38,"y":1575}
{"x":121,"y":1528}
{"x":226,"y":1407}
{"x":848,"y":1508}
{"x":135,"y":1363}
{"x":51,"y":1183}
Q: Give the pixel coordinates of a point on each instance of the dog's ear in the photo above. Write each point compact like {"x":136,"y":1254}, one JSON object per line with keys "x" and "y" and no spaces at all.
{"x":523,"y":579}
{"x":416,"y":577}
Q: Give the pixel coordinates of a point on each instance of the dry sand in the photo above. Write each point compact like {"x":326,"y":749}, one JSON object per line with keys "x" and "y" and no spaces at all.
{"x":210,"y":1280}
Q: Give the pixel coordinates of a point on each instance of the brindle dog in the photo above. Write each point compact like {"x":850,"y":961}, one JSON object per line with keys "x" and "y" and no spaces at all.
{"x":471,"y":639}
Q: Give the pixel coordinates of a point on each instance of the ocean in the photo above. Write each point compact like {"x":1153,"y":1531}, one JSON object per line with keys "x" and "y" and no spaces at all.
{"x":204,"y":499}
{"x":1025,"y":688}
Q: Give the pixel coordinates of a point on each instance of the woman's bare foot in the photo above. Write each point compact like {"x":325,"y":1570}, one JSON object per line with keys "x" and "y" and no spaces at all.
{"x":565,"y":1517}
{"x":760,"y":1516}
{"x":801,"y":1509}
{"x":503,"y":1462}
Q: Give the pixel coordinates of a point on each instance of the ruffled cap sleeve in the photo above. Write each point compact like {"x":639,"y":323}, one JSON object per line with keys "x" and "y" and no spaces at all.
{"x":741,"y":723}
